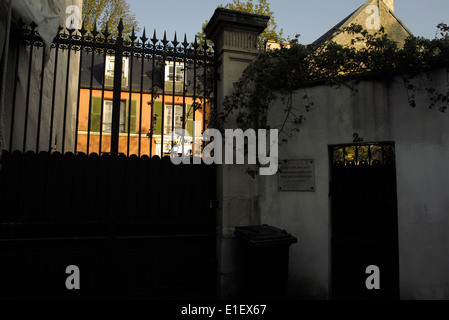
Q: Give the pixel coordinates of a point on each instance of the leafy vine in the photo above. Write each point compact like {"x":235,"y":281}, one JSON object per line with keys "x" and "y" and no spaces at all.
{"x":277,"y":74}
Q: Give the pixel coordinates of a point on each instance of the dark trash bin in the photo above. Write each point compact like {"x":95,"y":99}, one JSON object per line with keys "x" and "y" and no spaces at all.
{"x":264,"y":254}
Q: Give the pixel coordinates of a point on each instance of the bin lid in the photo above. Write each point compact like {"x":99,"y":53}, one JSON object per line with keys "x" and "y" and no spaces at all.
{"x":264,"y":235}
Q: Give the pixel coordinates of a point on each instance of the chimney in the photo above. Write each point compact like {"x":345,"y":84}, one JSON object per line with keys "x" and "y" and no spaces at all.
{"x":390,"y":4}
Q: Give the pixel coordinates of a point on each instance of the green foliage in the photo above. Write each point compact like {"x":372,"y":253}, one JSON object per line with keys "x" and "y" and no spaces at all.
{"x":262,"y":7}
{"x":277,"y":74}
{"x":109,"y":12}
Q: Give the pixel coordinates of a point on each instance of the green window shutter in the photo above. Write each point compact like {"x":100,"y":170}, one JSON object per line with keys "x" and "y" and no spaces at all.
{"x":95,"y":116}
{"x":133,"y":118}
{"x":158,"y":115}
{"x":189,"y":123}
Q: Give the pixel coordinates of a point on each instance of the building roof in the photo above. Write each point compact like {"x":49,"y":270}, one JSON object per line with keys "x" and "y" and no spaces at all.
{"x":93,"y":75}
{"x":329,"y":34}
{"x":347,"y":22}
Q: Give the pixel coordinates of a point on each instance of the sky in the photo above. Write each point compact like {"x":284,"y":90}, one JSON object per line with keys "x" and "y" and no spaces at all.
{"x":309,"y":19}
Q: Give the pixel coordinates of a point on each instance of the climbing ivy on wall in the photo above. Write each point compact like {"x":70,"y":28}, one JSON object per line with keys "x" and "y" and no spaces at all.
{"x":277,"y":74}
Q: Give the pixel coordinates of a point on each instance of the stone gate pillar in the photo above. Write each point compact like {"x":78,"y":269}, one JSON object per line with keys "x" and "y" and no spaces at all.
{"x":235,"y":36}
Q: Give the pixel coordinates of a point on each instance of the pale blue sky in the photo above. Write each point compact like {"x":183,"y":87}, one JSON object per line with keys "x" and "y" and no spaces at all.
{"x":310,"y":19}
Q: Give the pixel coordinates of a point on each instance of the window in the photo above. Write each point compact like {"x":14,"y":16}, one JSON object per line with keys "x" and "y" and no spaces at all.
{"x":101,"y":115}
{"x":169,"y":118}
{"x":174,"y":70}
{"x":109,"y":68}
{"x":163,"y":115}
{"x":107,"y":116}
{"x":163,"y":125}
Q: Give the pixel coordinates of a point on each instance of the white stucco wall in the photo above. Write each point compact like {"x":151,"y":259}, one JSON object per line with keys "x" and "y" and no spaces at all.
{"x":379,"y":112}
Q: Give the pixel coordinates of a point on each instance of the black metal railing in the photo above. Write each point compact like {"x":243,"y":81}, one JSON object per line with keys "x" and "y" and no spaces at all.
{"x":91,"y":92}
{"x":363,"y":154}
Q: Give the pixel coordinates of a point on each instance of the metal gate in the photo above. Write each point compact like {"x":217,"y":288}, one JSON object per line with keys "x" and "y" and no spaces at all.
{"x":85,"y":179}
{"x":364,"y":220}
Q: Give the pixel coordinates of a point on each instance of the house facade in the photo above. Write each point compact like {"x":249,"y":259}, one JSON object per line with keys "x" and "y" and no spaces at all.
{"x":156,"y":98}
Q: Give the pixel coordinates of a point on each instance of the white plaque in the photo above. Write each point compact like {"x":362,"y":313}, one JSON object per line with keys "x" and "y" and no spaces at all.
{"x":296,"y":175}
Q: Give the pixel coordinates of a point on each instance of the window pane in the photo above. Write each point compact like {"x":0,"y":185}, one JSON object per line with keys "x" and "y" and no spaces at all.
{"x":389,"y":154}
{"x":363,"y":154}
{"x":168,"y":128}
{"x":179,"y":73}
{"x":174,"y":71}
{"x":350,"y":154}
{"x":107,"y":116}
{"x":110,"y":67}
{"x":376,"y":154}
{"x":338,"y":155}
{"x":178,"y":117}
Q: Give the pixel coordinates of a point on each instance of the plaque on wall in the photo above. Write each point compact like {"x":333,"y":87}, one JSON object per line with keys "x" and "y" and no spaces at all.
{"x":296,"y":175}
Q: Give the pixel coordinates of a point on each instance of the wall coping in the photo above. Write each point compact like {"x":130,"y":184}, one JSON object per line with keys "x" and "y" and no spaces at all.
{"x":223,"y":18}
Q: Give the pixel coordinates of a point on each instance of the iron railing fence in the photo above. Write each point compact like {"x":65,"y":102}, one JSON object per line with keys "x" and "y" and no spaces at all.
{"x":91,"y":92}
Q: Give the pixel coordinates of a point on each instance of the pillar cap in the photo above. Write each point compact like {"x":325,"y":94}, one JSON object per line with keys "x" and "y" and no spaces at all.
{"x":231,"y":18}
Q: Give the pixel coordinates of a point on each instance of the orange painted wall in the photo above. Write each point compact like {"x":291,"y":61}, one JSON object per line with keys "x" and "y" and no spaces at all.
{"x":94,"y":137}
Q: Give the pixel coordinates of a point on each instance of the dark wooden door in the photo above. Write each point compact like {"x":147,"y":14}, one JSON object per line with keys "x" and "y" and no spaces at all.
{"x":364,"y":221}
